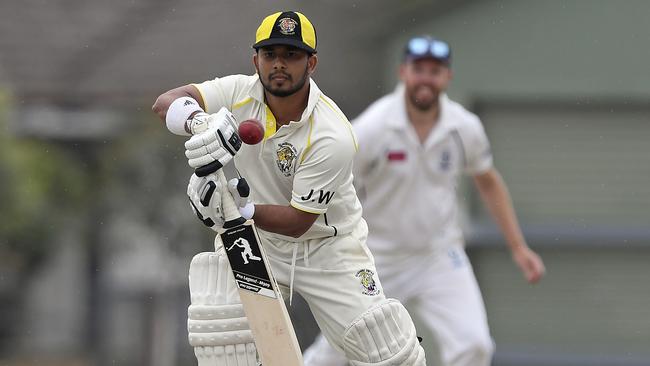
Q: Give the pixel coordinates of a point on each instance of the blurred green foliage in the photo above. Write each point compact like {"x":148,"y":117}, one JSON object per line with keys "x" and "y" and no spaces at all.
{"x":40,"y":186}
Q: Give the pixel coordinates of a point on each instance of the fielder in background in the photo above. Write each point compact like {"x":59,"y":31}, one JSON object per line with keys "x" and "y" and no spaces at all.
{"x":305,"y":206}
{"x":414,"y":144}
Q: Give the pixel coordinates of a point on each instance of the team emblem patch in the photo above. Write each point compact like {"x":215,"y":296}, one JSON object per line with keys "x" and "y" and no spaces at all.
{"x":445,"y":160}
{"x":287,"y":26}
{"x":286,"y":158}
{"x":368,"y":282}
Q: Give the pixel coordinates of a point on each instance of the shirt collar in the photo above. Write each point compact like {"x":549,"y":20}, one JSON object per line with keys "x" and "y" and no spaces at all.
{"x":257,"y":90}
{"x":314,"y":97}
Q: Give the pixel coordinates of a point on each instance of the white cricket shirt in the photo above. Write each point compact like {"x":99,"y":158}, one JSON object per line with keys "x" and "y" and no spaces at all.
{"x":408,"y":189}
{"x":306,"y":163}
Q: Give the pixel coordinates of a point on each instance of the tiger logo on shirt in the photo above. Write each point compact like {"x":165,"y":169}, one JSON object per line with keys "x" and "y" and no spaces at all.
{"x":286,"y":158}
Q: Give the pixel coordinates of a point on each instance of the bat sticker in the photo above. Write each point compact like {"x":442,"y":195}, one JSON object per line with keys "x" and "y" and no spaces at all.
{"x":246,"y":260}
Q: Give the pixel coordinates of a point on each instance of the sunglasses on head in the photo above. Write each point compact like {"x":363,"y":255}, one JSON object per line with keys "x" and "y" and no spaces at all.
{"x":422,"y":46}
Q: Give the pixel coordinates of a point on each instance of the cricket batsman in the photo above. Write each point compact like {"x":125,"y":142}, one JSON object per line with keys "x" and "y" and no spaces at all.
{"x":303,"y":203}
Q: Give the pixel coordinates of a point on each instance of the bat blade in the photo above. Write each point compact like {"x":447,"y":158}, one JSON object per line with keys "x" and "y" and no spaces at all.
{"x":267,"y":315}
{"x":247,"y":261}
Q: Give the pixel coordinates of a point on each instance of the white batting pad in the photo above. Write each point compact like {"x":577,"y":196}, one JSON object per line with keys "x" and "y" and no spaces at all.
{"x":218,"y":329}
{"x":383,"y":336}
{"x":218,"y":325}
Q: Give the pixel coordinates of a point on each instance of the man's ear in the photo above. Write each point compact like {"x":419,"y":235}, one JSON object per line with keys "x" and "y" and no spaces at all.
{"x":312,"y":61}
{"x":257,"y":70}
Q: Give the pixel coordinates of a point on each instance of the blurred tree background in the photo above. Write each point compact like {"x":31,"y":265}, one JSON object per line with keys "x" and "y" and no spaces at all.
{"x":119,"y":203}
{"x":39,"y":178}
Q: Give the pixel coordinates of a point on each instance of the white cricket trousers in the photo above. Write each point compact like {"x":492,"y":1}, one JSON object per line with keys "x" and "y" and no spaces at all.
{"x":326,"y":275}
{"x":445,"y":295}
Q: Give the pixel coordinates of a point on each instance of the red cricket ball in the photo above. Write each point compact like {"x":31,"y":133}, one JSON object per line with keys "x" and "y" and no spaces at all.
{"x":251,"y":131}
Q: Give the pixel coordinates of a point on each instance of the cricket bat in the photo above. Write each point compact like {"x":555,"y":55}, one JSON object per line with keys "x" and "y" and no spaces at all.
{"x":264,"y":307}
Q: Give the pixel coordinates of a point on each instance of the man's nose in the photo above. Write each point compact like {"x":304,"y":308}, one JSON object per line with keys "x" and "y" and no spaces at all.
{"x":279,"y":63}
{"x":427,"y":79}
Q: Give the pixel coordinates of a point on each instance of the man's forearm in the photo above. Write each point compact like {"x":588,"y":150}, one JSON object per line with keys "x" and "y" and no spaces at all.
{"x":284,"y":220}
{"x":496,"y":197}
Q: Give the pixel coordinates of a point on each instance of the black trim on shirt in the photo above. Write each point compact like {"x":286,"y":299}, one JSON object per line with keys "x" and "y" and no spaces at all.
{"x":333,"y":227}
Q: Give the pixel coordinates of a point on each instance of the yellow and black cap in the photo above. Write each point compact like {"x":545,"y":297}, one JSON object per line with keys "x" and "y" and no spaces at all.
{"x":286,"y":28}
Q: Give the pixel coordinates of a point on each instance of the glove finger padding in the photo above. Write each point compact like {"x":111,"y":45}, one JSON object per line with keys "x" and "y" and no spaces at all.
{"x":216,"y":140}
{"x":240,"y":191}
{"x":201,"y":140}
{"x":205,"y":148}
{"x":221,"y":156}
{"x":205,"y":200}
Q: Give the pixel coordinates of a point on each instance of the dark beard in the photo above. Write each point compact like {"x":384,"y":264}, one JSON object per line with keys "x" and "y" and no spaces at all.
{"x":423,"y":106}
{"x":285,"y":93}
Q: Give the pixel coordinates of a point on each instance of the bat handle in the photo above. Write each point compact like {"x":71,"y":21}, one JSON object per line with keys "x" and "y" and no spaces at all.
{"x":230,"y":210}
{"x":208,"y":169}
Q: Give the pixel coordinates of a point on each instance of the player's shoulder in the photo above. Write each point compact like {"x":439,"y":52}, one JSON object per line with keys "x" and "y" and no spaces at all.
{"x":331,"y":126}
{"x":241,"y":82}
{"x":233,"y":79}
{"x":377,"y":111}
{"x":327,"y":109}
{"x":461,"y":116}
{"x":235,"y":83}
{"x":328,"y":116}
{"x":371,"y":124}
{"x":226,"y":91}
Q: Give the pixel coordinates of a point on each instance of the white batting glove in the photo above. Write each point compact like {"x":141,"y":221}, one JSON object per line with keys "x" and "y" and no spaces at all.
{"x":205,"y":200}
{"x":215,"y":139}
{"x":238,"y":188}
